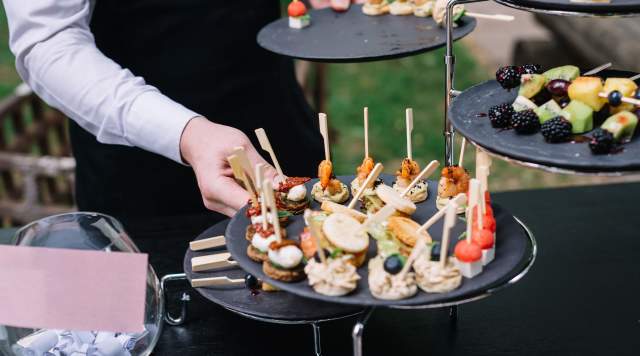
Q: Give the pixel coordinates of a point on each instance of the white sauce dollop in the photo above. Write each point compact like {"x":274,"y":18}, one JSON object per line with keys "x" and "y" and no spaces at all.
{"x":287,"y":257}
{"x":262,"y":243}
{"x":297,"y":193}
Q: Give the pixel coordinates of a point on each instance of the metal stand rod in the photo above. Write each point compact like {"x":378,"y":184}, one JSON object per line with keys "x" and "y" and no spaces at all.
{"x":453,"y":314}
{"x":450,"y":92}
{"x":358,"y":330}
{"x":317,"y":345}
{"x":184,"y":300}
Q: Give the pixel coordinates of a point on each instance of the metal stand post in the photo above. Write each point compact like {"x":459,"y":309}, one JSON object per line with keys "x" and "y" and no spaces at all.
{"x":317,"y":346}
{"x":453,"y":314}
{"x":358,"y":330}
{"x":184,"y":299}
{"x":450,"y":92}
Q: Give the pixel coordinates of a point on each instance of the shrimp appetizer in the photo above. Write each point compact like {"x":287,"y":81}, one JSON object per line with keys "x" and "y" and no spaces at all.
{"x":405,"y":175}
{"x":453,"y":181}
{"x":328,"y":187}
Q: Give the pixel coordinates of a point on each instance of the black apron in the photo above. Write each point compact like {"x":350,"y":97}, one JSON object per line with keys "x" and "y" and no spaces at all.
{"x":202,"y":54}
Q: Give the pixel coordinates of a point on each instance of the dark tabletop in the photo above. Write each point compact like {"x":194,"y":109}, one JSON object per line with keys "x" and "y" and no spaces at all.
{"x":580,"y":298}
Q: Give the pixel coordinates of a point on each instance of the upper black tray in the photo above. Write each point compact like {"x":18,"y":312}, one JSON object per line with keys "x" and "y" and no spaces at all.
{"x":577,"y":157}
{"x":566,"y":7}
{"x":513,"y":250}
{"x":277,"y":306}
{"x":355,"y":37}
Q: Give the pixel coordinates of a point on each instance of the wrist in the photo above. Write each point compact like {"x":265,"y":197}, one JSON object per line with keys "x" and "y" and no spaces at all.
{"x":191,"y":136}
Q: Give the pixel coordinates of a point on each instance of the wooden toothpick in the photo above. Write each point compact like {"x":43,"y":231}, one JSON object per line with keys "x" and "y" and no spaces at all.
{"x":479,"y":202}
{"x":496,"y":17}
{"x":266,"y":145}
{"x":427,"y":171}
{"x":482,"y":173}
{"x":462,"y":147}
{"x":324,"y":131}
{"x":457,"y":201}
{"x":598,"y":69}
{"x":366,"y":132}
{"x":263,"y":206}
{"x":409,"y":126}
{"x":244,"y":162}
{"x":269,"y":200}
{"x":315,"y":233}
{"x":474,"y":184}
{"x":449,"y":223}
{"x":375,"y":172}
{"x":240,"y":175}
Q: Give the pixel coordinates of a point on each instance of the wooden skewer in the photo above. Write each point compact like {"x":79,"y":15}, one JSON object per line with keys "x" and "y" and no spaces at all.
{"x":462,"y":147}
{"x":375,"y":172}
{"x":324,"y":131}
{"x":380,"y":216}
{"x":366,"y":132}
{"x":269,"y":200}
{"x":244,"y":161}
{"x":211,"y":242}
{"x":240,"y":175}
{"x":482,"y":173}
{"x":497,"y":17}
{"x":415,"y":252}
{"x":409,"y":126}
{"x":449,"y":223}
{"x":458,"y":200}
{"x":263,"y":206}
{"x":635,"y":77}
{"x":597,"y":69}
{"x":216,"y":282}
{"x":625,"y":99}
{"x":474,"y":186}
{"x":266,"y":145}
{"x":316,"y":236}
{"x":478,"y":202}
{"x":211,"y":262}
{"x":482,"y":160}
{"x":427,"y":171}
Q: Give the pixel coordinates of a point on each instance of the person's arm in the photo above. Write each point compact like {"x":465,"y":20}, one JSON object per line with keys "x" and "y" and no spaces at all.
{"x":57,"y":57}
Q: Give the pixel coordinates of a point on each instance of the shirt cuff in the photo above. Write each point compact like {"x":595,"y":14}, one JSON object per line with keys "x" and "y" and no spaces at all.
{"x":155,"y":123}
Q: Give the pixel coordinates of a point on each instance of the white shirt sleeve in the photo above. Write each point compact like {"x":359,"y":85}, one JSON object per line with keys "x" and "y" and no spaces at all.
{"x":57,"y":57}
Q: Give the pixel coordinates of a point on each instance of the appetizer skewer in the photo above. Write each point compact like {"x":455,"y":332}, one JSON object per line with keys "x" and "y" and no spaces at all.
{"x":468,"y":254}
{"x":298,"y":16}
{"x":363,"y":171}
{"x":375,"y":7}
{"x":328,"y":187}
{"x":410,"y":169}
{"x":439,"y":276}
{"x":453,"y":181}
{"x":291,"y":192}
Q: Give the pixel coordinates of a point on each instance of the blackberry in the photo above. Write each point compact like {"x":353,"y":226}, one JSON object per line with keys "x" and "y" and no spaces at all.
{"x":508,"y":77}
{"x":500,"y":115}
{"x":557,"y":129}
{"x":525,"y":122}
{"x":601,"y":141}
{"x":531,"y":69}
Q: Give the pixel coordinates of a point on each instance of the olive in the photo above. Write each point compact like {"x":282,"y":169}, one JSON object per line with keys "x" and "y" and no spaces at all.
{"x":251,"y":282}
{"x":393,"y":264}
{"x":558,"y":87}
{"x":435,"y":251}
{"x":615,"y":98}
{"x":316,"y":256}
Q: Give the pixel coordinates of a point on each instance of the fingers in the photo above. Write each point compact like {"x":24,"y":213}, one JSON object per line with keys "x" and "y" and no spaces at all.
{"x":224,"y":195}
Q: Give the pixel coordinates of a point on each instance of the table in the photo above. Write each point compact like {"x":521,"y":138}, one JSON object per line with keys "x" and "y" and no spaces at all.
{"x":580,"y":298}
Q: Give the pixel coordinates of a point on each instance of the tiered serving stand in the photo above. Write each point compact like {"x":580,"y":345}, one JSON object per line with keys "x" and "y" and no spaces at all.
{"x":349,"y":37}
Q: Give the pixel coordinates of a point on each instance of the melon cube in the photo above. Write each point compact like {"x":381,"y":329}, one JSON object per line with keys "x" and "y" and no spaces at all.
{"x":580,"y":115}
{"x":622,"y":125}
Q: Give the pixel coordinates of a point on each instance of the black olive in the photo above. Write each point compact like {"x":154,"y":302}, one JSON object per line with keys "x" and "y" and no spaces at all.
{"x":393,"y":264}
{"x":251,"y":282}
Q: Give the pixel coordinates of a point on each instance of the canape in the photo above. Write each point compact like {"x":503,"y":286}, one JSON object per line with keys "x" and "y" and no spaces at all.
{"x":375,"y":7}
{"x":423,"y":8}
{"x":486,"y":240}
{"x":292,"y":195}
{"x":385,"y":280}
{"x":254,"y":213}
{"x":336,"y":277}
{"x":453,"y":181}
{"x":391,"y":197}
{"x":260,"y":239}
{"x":401,"y":7}
{"x":284,"y":261}
{"x":409,"y":169}
{"x":468,"y":258}
{"x":329,"y":187}
{"x":432,"y":277}
{"x":362,"y":172}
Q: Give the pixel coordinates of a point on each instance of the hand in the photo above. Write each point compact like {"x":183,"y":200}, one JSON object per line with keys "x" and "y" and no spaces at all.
{"x":206,"y":146}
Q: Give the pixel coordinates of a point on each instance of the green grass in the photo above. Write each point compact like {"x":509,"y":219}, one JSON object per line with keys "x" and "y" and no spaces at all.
{"x":8,"y":76}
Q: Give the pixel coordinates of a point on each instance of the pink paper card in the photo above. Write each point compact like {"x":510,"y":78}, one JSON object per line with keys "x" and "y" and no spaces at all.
{"x":72,"y":289}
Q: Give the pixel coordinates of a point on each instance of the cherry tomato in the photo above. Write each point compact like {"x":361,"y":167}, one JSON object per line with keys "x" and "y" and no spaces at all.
{"x":296,"y":9}
{"x":467,"y":251}
{"x":482,"y":237}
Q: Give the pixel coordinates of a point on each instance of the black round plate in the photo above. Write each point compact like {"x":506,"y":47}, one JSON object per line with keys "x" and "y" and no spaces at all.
{"x":279,"y":306}
{"x":511,"y":253}
{"x":614,"y":7}
{"x":352,"y":36}
{"x":464,"y":111}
